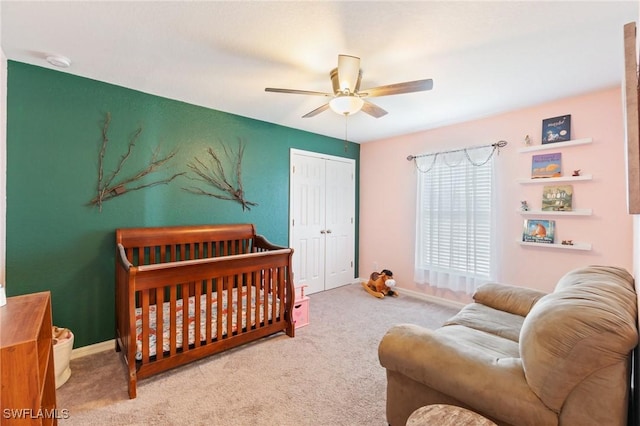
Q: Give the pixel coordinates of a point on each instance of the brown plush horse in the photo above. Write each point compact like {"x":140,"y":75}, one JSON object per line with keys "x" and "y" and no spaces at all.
{"x":380,"y":283}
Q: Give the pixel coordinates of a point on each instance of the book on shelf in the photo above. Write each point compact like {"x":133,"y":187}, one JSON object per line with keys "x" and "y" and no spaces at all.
{"x":546,"y":165}
{"x":556,"y":129}
{"x":539,"y":231}
{"x":557,"y":198}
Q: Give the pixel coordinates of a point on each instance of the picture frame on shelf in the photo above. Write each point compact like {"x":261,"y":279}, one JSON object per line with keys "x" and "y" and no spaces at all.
{"x":557,"y":198}
{"x":556,"y":129}
{"x":539,"y":231}
{"x":631,"y":98}
{"x":546,"y":165}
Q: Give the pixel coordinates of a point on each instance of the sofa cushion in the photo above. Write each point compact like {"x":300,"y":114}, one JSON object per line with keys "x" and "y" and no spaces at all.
{"x":480,"y":342}
{"x":489,"y":320}
{"x":508,"y":298}
{"x":571,"y":335}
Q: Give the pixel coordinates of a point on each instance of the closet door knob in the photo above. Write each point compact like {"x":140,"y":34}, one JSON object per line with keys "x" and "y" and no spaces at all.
{"x":328,"y":231}
{"x":323,"y":232}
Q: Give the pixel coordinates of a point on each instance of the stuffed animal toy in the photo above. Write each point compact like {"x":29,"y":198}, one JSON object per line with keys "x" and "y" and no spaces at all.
{"x":380,"y":283}
{"x":60,"y":333}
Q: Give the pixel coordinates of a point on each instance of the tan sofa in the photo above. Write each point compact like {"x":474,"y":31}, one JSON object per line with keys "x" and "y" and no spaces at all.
{"x":520,"y":357}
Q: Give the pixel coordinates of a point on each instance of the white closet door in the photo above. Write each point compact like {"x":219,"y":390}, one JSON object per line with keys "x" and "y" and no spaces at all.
{"x":308,"y":206}
{"x":339,"y":224}
{"x":322,"y":228}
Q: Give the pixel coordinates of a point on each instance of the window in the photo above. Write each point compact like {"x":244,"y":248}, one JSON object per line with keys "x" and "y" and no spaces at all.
{"x":455,"y":235}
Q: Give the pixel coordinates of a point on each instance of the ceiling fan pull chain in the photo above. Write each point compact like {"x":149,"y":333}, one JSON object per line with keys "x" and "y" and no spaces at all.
{"x":346,"y":143}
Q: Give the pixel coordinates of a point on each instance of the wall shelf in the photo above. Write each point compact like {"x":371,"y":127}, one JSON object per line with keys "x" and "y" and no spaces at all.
{"x":551,"y":181}
{"x":555,"y":180}
{"x":575,"y":246}
{"x":575,"y":212}
{"x":556,"y":145}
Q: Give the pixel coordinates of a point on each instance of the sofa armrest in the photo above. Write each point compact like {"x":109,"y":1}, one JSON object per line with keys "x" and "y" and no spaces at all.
{"x":508,"y":298}
{"x":494,"y":386}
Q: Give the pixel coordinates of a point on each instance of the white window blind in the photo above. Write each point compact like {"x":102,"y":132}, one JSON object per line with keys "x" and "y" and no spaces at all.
{"x":455,"y":236}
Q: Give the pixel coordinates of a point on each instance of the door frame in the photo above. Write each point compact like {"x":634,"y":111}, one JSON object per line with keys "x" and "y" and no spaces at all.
{"x":293,"y":152}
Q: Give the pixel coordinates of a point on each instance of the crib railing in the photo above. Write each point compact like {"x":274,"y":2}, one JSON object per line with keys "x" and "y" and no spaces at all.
{"x":264,"y":274}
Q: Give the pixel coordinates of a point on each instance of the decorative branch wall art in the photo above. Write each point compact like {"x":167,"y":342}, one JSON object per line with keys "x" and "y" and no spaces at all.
{"x":109,"y":187}
{"x":213,"y":174}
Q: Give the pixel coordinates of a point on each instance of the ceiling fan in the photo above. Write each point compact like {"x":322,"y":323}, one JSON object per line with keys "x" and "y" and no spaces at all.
{"x":347,"y":98}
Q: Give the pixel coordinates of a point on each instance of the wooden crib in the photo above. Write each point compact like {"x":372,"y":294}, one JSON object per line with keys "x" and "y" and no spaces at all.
{"x":186,"y":292}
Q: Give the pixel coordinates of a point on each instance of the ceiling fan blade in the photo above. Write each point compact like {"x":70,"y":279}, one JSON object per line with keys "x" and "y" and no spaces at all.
{"x":373,"y":109}
{"x":348,"y":71}
{"x":399,"y":88}
{"x":298,"y":92}
{"x":316,"y":111}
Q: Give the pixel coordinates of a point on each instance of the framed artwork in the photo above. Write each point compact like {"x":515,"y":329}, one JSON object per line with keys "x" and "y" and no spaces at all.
{"x":546,"y":165}
{"x":632,"y":119}
{"x":556,"y":129}
{"x":557,"y":198}
{"x":539,"y":231}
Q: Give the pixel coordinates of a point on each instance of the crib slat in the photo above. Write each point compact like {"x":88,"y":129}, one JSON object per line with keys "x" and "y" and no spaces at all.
{"x":145,"y":326}
{"x":229,"y":288}
{"x":172,"y":320}
{"x":185,"y":317}
{"x":257,"y":283}
{"x":197,"y":291}
{"x":219,"y":309}
{"x":159,"y":322}
{"x":282,"y":279}
{"x":248,"y":282}
{"x":259,"y":297}
{"x":209,"y":316}
{"x":266,"y":290}
{"x":274,"y":294}
{"x":239,"y":305}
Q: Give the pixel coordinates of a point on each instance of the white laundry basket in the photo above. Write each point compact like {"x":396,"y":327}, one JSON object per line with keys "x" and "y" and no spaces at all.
{"x":61,"y":356}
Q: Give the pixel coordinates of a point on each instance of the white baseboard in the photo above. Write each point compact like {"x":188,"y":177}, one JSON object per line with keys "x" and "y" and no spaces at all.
{"x":427,"y":297}
{"x":431,"y":298}
{"x":93,"y":349}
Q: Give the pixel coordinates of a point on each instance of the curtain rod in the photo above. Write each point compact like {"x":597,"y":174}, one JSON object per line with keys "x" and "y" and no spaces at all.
{"x":499,"y":144}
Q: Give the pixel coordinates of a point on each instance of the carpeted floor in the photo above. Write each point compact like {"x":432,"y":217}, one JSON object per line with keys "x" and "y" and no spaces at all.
{"x":328,"y":374}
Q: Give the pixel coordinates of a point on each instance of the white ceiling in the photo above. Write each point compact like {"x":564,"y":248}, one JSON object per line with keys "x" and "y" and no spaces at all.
{"x":484,"y":57}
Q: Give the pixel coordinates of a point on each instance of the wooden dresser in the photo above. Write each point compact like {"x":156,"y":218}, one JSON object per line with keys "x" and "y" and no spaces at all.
{"x":27,"y":374}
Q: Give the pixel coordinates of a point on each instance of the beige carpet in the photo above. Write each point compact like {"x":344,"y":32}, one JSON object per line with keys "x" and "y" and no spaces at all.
{"x":328,"y":374}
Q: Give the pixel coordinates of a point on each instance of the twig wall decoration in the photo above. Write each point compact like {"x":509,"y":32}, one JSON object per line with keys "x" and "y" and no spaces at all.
{"x":110,"y":188}
{"x":214,"y":175}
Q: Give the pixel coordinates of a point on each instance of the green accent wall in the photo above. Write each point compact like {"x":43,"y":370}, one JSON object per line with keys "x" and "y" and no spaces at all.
{"x":56,"y":241}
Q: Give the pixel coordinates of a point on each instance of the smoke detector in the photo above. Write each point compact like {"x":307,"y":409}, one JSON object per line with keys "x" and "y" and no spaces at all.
{"x":59,"y":61}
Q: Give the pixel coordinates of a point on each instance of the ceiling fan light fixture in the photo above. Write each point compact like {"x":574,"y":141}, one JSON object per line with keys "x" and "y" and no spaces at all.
{"x":346,"y":105}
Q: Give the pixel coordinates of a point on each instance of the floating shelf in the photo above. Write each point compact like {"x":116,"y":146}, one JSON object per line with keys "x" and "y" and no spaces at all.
{"x":575,"y":246}
{"x":556,"y":179}
{"x":575,"y":212}
{"x":556,"y":145}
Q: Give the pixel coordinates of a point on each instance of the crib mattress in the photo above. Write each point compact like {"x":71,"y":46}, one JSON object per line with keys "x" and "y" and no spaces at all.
{"x":166,"y":335}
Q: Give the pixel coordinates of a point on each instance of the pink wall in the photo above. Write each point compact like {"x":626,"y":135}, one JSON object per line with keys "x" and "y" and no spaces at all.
{"x":388,"y":185}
